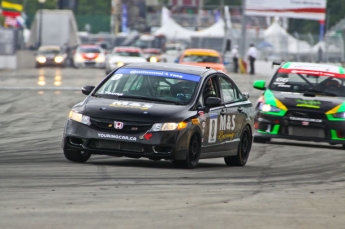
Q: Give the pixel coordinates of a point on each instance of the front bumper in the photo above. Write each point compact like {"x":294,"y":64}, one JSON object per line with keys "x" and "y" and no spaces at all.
{"x":319,"y":130}
{"x":89,"y":63}
{"x":169,"y":145}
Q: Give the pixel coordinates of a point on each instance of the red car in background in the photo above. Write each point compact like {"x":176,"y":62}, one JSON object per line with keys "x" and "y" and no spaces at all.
{"x":89,"y":56}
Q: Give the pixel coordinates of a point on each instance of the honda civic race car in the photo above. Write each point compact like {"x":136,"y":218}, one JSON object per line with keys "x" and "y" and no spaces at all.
{"x":303,"y":101}
{"x":162,"y":111}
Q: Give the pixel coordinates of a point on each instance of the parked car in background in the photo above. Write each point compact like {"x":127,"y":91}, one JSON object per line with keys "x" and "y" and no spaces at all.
{"x":89,"y":55}
{"x":50,"y":55}
{"x":122,"y":55}
{"x":202,"y":57}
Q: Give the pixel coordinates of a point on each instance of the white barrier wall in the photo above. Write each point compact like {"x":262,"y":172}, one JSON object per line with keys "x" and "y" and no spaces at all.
{"x":8,"y":62}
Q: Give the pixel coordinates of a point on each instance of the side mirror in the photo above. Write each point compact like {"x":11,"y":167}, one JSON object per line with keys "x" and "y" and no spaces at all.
{"x":246,"y":94}
{"x":260,"y":84}
{"x":213,"y":101}
{"x":87,"y":89}
{"x":276,"y":63}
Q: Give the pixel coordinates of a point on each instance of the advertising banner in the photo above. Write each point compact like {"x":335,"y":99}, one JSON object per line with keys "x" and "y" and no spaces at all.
{"x":304,"y":9}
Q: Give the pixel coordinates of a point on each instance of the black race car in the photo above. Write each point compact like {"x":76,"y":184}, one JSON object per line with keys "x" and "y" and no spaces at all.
{"x":303,"y":101}
{"x":162,"y":111}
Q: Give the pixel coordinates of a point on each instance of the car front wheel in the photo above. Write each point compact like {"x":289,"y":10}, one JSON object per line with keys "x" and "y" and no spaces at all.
{"x":77,"y":156}
{"x":193,"y":155}
{"x":243,"y":150}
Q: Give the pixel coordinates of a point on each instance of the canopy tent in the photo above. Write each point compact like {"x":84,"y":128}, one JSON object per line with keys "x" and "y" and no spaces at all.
{"x":173,"y":31}
{"x":283,"y":42}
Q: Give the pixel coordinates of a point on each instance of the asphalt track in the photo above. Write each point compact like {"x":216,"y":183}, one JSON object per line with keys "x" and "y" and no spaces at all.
{"x":285,"y":184}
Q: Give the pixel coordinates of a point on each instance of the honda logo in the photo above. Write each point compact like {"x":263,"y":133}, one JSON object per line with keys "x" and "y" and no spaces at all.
{"x":118,"y":125}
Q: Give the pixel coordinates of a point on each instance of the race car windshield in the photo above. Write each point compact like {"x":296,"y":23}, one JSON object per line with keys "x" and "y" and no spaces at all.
{"x":148,"y":85}
{"x":306,"y":83}
{"x":88,"y":50}
{"x":132,"y":54}
{"x":48,"y":51}
{"x":201,"y":59}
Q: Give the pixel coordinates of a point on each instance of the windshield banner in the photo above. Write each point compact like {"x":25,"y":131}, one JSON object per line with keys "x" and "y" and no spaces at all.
{"x":312,"y":72}
{"x":165,"y":74}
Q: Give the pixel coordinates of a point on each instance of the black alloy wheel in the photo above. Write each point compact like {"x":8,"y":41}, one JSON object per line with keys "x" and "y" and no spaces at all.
{"x":77,"y":156}
{"x":193,"y":155}
{"x":243,"y":150}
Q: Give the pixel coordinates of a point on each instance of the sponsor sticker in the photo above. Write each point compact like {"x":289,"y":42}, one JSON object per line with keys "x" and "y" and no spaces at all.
{"x":116,"y":77}
{"x":227,"y":122}
{"x":135,"y":105}
{"x":225,"y":136}
{"x":117,"y":137}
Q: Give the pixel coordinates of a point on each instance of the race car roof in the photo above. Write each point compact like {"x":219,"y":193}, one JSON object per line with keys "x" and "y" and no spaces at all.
{"x":195,"y":70}
{"x":204,"y":52}
{"x":127,"y":49}
{"x":313,"y":69}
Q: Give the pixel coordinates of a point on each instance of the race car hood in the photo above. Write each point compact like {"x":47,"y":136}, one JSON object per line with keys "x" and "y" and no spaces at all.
{"x":215,"y":66}
{"x":297,"y":100}
{"x":133,"y":110}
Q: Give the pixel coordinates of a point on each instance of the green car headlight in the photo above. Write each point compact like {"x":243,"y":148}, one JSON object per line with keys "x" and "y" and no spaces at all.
{"x":339,"y":115}
{"x":79,"y":118}
{"x":268,"y":108}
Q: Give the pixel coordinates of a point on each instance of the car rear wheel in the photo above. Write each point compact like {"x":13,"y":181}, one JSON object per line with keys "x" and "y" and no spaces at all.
{"x":243,"y":150}
{"x":193,"y":155}
{"x":77,"y":156}
{"x":261,"y":140}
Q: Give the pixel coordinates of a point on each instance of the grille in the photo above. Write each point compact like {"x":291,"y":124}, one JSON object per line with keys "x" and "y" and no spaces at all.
{"x":127,"y":146}
{"x":306,"y":132}
{"x":132,"y":127}
{"x":305,"y":114}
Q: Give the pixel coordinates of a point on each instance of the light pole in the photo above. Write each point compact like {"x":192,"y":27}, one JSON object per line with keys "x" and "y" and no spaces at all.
{"x":40,"y":23}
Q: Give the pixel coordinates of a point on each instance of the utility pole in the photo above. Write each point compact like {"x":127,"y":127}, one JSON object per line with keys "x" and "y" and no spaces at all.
{"x":243,"y":30}
{"x":115,"y":16}
{"x":200,"y":8}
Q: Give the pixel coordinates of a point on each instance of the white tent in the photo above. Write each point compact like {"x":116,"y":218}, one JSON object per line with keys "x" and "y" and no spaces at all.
{"x":173,"y":31}
{"x":216,"y":30}
{"x":281,"y":41}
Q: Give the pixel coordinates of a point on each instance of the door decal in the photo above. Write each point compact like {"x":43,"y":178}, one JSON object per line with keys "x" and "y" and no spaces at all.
{"x":212,"y":135}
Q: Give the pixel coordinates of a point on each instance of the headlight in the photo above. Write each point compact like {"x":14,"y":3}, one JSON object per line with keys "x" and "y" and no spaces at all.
{"x":41,"y":59}
{"x":79,"y":58}
{"x":153,"y":59}
{"x":58,"y":59}
{"x":120,"y":64}
{"x":339,"y":115}
{"x":100,"y":58}
{"x":268,"y":108}
{"x":168,"y":126}
{"x":79,"y":118}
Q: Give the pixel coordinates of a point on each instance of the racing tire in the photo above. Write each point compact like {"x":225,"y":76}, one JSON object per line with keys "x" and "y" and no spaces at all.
{"x":193,"y":155}
{"x":261,"y":140}
{"x":77,"y":156}
{"x":243,"y":150}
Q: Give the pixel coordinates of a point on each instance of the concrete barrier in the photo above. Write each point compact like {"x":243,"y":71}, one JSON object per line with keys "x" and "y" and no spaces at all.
{"x":25,"y":59}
